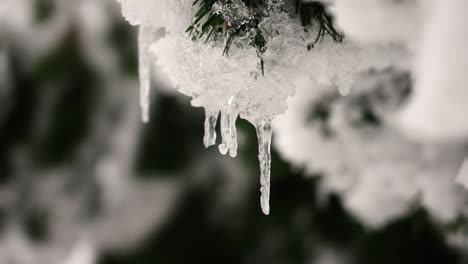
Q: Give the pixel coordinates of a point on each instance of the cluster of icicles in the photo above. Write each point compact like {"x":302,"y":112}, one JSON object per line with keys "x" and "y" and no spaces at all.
{"x":227,"y":123}
{"x":229,"y":144}
{"x":229,"y":139}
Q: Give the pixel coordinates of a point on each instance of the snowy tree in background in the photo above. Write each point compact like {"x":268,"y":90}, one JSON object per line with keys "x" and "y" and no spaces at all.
{"x":64,"y":206}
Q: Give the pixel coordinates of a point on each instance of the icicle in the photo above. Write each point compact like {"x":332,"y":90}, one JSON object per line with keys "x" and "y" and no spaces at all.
{"x":264,"y":133}
{"x":229,"y":134}
{"x":344,"y":85}
{"x":225,"y":127}
{"x":144,"y":61}
{"x":228,"y":130}
{"x":211,"y":118}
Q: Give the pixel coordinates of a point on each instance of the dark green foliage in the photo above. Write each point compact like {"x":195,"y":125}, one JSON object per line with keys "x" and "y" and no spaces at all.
{"x":321,"y":111}
{"x":413,"y":239}
{"x":64,"y":61}
{"x":169,"y":140}
{"x":66,"y":71}
{"x":215,"y":26}
{"x":121,"y":38}
{"x":35,"y":225}
{"x":315,"y":13}
{"x":44,"y":10}
{"x":213,"y":23}
{"x":16,"y":127}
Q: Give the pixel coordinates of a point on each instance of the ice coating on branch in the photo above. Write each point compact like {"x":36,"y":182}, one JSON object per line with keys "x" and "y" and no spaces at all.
{"x":234,"y":85}
{"x":211,"y":119}
{"x":264,"y":134}
{"x":144,"y":70}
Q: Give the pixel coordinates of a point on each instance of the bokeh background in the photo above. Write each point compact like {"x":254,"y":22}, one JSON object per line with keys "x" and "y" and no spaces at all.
{"x":83,"y":181}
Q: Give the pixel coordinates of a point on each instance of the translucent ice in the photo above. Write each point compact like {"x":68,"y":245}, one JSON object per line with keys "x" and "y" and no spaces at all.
{"x":264,"y":133}
{"x":228,"y":130}
{"x":211,"y":118}
{"x":144,"y":61}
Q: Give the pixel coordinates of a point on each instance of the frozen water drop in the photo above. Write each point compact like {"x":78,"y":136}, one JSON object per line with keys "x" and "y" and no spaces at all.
{"x":344,"y":86}
{"x":264,"y":133}
{"x":345,"y":91}
{"x":232,"y":152}
{"x":211,"y":118}
{"x":223,"y":149}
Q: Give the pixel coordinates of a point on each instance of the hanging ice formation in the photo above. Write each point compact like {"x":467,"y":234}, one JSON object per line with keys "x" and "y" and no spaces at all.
{"x":227,"y":87}
{"x":264,"y":133}
{"x":229,"y":144}
{"x":233,"y":86}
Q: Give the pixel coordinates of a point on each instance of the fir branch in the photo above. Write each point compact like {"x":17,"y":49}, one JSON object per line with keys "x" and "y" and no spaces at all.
{"x":315,"y":13}
{"x":214,"y":25}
